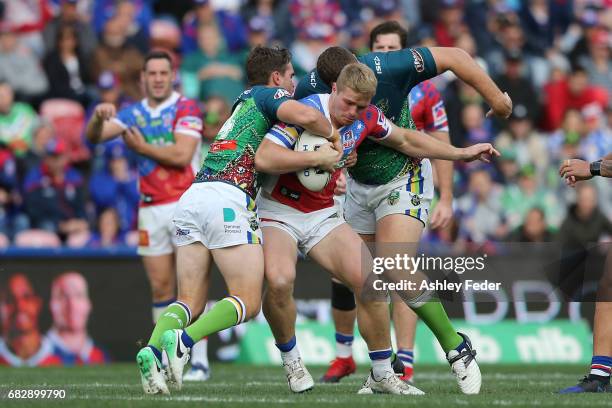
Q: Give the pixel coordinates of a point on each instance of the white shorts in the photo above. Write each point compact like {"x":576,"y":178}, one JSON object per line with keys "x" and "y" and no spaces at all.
{"x":306,"y":229}
{"x":155,"y":229}
{"x":218,"y":215}
{"x":410,"y":195}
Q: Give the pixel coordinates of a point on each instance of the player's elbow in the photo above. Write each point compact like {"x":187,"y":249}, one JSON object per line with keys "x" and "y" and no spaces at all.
{"x":309,"y":117}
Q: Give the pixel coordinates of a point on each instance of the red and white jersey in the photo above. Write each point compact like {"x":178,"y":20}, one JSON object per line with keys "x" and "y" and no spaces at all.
{"x":158,"y":183}
{"x":427,"y":108}
{"x":43,"y":357}
{"x":286,"y":188}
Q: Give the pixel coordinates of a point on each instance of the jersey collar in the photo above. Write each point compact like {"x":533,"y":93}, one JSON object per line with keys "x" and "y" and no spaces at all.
{"x":154,"y":112}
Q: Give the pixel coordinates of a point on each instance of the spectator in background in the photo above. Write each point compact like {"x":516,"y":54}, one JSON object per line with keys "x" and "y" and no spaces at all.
{"x":69,"y":15}
{"x":508,"y":166}
{"x":122,"y":59}
{"x":27,"y":19}
{"x":54,"y":194}
{"x":70,"y":309}
{"x":20,"y":67}
{"x":529,"y":145}
{"x":449,"y":25}
{"x":564,"y":93}
{"x":66,"y":67}
{"x":584,"y":223}
{"x":258,"y":32}
{"x":22,"y":344}
{"x":597,"y":140}
{"x":230,"y":25}
{"x":116,"y":186}
{"x":134,"y":17}
{"x":518,"y":85}
{"x":275,"y":17}
{"x":477,"y":128}
{"x":597,"y":62}
{"x":44,"y":132}
{"x":8,"y":184}
{"x":17,"y":121}
{"x":517,"y":199}
{"x":211,"y":70}
{"x":534,"y":228}
{"x":108,"y":232}
{"x":480,"y":210}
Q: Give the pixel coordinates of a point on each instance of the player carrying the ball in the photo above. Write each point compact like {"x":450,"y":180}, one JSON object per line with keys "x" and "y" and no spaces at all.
{"x":293,"y":217}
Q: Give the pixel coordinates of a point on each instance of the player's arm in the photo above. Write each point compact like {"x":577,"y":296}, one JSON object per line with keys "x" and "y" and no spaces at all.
{"x":178,"y":154}
{"x":416,"y":144}
{"x":574,"y":170}
{"x":101,"y":127}
{"x":309,"y":118}
{"x":465,"y":67}
{"x":275,"y":154}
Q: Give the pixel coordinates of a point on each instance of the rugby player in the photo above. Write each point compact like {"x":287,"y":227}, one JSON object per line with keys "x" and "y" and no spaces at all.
{"x":165,"y":129}
{"x":429,"y":115}
{"x":389,"y":192}
{"x":216,"y":218}
{"x":598,"y":380}
{"x":294,"y":217}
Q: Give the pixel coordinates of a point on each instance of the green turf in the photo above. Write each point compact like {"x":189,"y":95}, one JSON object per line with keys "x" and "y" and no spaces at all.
{"x":118,"y":385}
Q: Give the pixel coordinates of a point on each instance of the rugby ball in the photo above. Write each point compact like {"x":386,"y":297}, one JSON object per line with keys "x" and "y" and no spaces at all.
{"x":313,"y":179}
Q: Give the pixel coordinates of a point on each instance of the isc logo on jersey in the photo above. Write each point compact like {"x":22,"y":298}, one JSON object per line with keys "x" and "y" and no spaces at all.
{"x":313,"y":179}
{"x":439,"y":114}
{"x":280,"y":93}
{"x":190,"y":123}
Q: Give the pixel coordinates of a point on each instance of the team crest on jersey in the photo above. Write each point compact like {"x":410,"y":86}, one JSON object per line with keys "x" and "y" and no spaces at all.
{"x":140,"y":120}
{"x":415,"y":200}
{"x":281,"y":93}
{"x":393,"y":197}
{"x":419,"y":62}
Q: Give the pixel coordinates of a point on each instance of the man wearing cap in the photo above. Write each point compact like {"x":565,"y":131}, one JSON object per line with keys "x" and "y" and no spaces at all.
{"x":165,"y":130}
{"x":54,"y":194}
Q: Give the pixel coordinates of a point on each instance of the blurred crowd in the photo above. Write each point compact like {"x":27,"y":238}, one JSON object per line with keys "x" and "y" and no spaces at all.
{"x":59,"y":58}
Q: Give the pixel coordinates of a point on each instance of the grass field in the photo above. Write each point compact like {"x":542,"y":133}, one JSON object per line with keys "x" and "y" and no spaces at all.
{"x":118,"y":385}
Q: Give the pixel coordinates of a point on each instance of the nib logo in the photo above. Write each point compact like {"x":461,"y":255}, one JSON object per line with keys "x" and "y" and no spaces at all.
{"x":549,"y":345}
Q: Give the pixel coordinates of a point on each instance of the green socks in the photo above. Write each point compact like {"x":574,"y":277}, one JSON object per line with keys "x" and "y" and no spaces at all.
{"x":176,"y":316}
{"x":435,"y":317}
{"x":227,"y":312}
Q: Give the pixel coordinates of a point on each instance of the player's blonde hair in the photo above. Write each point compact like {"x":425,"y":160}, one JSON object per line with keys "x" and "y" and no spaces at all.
{"x":359,"y":78}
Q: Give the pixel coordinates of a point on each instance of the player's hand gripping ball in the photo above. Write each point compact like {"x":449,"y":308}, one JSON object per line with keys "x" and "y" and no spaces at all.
{"x":313,"y":179}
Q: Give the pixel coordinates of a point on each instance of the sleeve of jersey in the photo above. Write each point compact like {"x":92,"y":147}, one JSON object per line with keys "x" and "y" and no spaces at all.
{"x":436,"y":119}
{"x":377,"y":124}
{"x":188,"y":119}
{"x":283,"y":134}
{"x":270,"y":99}
{"x":412,"y":65}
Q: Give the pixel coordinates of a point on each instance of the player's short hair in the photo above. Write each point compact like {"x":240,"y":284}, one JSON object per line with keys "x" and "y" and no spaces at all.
{"x":389,"y":27}
{"x":359,"y":78}
{"x":157,"y":54}
{"x":331,"y":61}
{"x":263,"y":61}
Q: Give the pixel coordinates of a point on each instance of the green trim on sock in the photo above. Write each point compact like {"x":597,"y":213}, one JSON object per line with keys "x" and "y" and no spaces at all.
{"x":435,"y":317}
{"x":174,"y":317}
{"x":222,"y":316}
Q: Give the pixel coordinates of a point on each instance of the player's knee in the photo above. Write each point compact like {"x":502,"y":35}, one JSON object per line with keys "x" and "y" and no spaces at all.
{"x":280,"y":283}
{"x":342,"y":297}
{"x":252,"y":305}
{"x":162,"y":288}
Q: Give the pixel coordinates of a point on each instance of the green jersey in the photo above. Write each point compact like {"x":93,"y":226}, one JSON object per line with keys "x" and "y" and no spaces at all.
{"x":397,"y":73}
{"x":17,"y":128}
{"x":231,"y":157}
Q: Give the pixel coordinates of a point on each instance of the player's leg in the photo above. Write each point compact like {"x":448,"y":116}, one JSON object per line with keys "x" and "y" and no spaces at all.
{"x":280,"y":255}
{"x":399,"y":228}
{"x":404,"y":322}
{"x":341,"y":252}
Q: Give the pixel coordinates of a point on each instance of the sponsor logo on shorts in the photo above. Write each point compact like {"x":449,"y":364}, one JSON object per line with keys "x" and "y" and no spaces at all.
{"x":232,"y":229}
{"x":253,"y":223}
{"x":292,"y":194}
{"x":143,"y":238}
{"x":419,"y":63}
{"x":182,"y":232}
{"x":415,"y":200}
{"x":393,"y":197}
{"x":229,"y":215}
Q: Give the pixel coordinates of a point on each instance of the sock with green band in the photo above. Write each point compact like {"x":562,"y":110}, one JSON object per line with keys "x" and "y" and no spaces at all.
{"x":227,"y":312}
{"x":435,"y":317}
{"x":176,"y":316}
